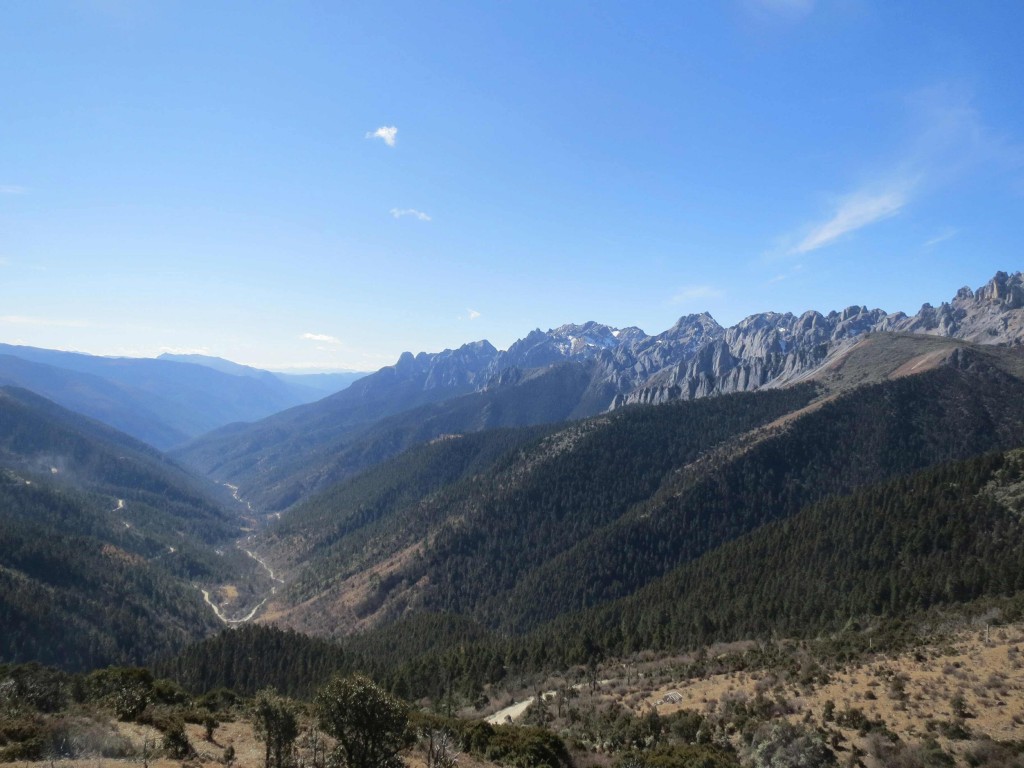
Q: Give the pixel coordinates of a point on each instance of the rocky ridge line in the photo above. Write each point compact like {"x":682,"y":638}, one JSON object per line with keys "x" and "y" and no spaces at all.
{"x":697,"y":357}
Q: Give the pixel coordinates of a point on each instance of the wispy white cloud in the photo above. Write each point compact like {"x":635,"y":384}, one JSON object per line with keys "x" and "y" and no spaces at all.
{"x":694,"y":292}
{"x":321,"y":337}
{"x":400,"y":212}
{"x":472,"y":314}
{"x":948,"y":139}
{"x":947,"y":234}
{"x":856,"y":211}
{"x":12,"y":189}
{"x":387,"y":133}
{"x":49,"y":322}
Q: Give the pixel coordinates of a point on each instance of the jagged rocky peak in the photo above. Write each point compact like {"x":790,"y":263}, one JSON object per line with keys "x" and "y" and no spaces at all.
{"x":810,"y":321}
{"x":476,"y":354}
{"x":761,"y":334}
{"x":941,"y":320}
{"x":697,"y":357}
{"x":964,"y":294}
{"x":855,"y":321}
{"x":571,"y":341}
{"x":772,"y":347}
{"x":575,"y":340}
{"x":690,"y":331}
{"x":536,"y":349}
{"x":466,"y":365}
{"x":762,"y":321}
{"x":406,"y":361}
{"x":990,"y":315}
{"x":630,"y":335}
{"x":700,"y":318}
{"x":482,"y":347}
{"x":1003,"y":289}
{"x":701,"y":324}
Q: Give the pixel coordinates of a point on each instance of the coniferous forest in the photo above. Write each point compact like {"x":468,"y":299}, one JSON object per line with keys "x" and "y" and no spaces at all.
{"x":574,"y":384}
{"x":783,"y":537}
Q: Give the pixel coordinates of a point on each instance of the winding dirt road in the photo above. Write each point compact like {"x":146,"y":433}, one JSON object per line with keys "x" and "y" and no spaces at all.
{"x":252,"y":614}
{"x":270,"y":572}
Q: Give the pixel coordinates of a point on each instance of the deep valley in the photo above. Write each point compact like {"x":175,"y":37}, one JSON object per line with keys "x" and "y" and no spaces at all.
{"x":799,"y":535}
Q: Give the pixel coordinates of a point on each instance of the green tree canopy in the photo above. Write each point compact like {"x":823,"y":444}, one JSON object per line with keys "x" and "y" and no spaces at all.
{"x":370,"y":725}
{"x":276,"y":724}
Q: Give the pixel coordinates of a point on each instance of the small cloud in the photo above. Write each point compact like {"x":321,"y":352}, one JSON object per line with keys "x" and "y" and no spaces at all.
{"x":400,"y":212}
{"x":12,"y":189}
{"x":692,"y":292}
{"x":321,"y":337}
{"x":387,"y":133}
{"x":947,"y":234}
{"x":777,"y":279}
{"x":473,"y":314}
{"x":854,"y":212}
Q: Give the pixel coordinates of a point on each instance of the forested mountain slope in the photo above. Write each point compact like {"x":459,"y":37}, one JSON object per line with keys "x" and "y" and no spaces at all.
{"x":559,"y":520}
{"x":531,"y":499}
{"x":860,"y":438}
{"x":42,"y":438}
{"x":78,"y":593}
{"x":284,"y":458}
{"x":101,"y":538}
{"x":949,"y":536}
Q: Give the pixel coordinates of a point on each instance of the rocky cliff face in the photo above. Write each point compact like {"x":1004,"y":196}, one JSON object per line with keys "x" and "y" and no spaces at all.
{"x":759,"y":350}
{"x":697,"y":357}
{"x":770,"y":348}
{"x":991,"y":315}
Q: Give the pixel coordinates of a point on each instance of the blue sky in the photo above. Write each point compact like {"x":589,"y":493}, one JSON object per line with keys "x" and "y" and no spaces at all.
{"x":327,"y":184}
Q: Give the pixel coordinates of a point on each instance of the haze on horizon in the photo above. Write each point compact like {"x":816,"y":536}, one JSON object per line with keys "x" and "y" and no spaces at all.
{"x":326,"y":186}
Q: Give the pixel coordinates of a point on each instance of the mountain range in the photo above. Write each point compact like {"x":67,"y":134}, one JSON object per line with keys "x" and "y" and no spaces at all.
{"x":164,"y":401}
{"x":841,"y":508}
{"x":517,"y":527}
{"x":541,"y":503}
{"x":572,"y":371}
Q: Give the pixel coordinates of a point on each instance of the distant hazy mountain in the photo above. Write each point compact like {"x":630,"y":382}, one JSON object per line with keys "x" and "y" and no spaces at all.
{"x":119,"y":406}
{"x":308,"y":386}
{"x":278,"y":460}
{"x":163,"y":402}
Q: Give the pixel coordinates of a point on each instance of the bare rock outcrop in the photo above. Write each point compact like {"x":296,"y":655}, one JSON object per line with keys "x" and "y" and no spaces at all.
{"x":697,"y":357}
